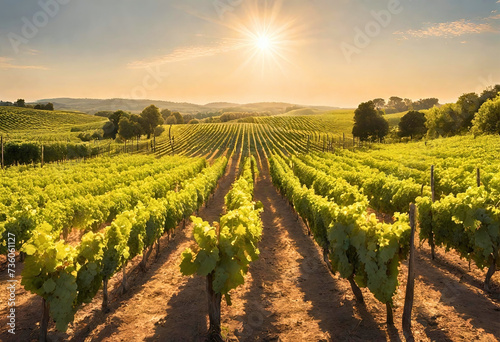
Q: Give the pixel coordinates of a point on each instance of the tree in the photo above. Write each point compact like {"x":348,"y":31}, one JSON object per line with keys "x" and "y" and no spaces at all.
{"x":408,"y":104}
{"x":487,"y":120}
{"x":193,"y":122}
{"x":468,"y":104}
{"x":412,"y":124}
{"x":397,"y":103}
{"x":38,"y":106}
{"x":187,"y":117}
{"x":109,"y":130}
{"x":379,"y":103}
{"x":49,"y":106}
{"x":137,"y":120}
{"x":166,"y":113}
{"x":369,"y":124}
{"x":117,"y":116}
{"x":111,"y":127}
{"x":489,"y":93}
{"x":425,"y":103}
{"x":171,"y":120}
{"x":151,"y":118}
{"x":129,"y":129}
{"x":178,"y":118}
{"x":20,"y":103}
{"x":445,"y":121}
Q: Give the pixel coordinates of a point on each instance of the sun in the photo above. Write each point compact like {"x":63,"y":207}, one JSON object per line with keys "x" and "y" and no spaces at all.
{"x":268,"y":38}
{"x":263,"y":42}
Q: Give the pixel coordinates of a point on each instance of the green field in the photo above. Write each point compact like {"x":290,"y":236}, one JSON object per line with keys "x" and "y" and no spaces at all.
{"x":25,"y":124}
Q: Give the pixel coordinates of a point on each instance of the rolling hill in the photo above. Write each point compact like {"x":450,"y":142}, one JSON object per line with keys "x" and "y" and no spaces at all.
{"x":91,"y":106}
{"x":25,"y":119}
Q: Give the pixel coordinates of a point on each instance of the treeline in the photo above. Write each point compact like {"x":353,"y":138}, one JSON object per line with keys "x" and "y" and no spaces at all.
{"x":21,"y":103}
{"x":125,"y":126}
{"x":133,"y":128}
{"x":398,"y":104}
{"x":31,"y":153}
{"x":479,"y":114}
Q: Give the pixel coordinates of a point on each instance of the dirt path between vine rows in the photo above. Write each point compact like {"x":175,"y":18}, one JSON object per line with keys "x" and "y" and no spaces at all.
{"x":289,"y":294}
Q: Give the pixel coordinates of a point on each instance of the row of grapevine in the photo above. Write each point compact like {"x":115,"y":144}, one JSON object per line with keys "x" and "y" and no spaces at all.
{"x":225,"y":250}
{"x":386,"y":193}
{"x":66,"y":276}
{"x":89,"y":207}
{"x":468,"y":222}
{"x":361,"y":249}
{"x":465,"y":216}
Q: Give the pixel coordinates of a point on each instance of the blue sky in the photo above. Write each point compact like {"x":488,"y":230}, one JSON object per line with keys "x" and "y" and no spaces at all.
{"x":248,"y":50}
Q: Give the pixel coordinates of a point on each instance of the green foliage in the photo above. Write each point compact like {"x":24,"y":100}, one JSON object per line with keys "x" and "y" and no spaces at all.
{"x":468,"y":222}
{"x":129,"y":129}
{"x":226,"y":252}
{"x":21,"y":222}
{"x":67,"y":276}
{"x":88,"y":259}
{"x":47,"y":106}
{"x":468,"y":105}
{"x":369,"y":124}
{"x":337,"y":180}
{"x":445,"y":121}
{"x":179,"y":119}
{"x":357,"y":243}
{"x":30,"y":120}
{"x":116,"y":250}
{"x":151,"y":118}
{"x":487,"y":120}
{"x":412,"y":124}
{"x":50,"y":272}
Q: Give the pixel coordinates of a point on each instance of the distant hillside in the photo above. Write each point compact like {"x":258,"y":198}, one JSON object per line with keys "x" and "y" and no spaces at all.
{"x":221,"y":105}
{"x":19,"y":119}
{"x":92,"y":106}
{"x":303,"y":112}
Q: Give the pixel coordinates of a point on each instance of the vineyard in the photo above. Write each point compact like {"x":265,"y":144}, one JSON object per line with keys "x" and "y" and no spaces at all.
{"x":24,"y":119}
{"x":288,"y":228}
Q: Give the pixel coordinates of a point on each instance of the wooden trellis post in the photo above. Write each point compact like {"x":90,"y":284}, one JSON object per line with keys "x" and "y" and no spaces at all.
{"x":410,"y":285}
{"x":1,"y":138}
{"x":433,"y":194}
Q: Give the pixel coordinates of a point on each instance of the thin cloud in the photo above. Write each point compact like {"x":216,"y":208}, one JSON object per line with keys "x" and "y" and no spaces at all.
{"x":494,"y":17}
{"x":32,"y":52}
{"x":6,"y":63}
{"x":187,"y":53}
{"x":447,"y":30}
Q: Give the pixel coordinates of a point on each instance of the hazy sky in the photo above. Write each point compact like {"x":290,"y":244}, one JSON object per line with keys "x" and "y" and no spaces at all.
{"x":325,"y":52}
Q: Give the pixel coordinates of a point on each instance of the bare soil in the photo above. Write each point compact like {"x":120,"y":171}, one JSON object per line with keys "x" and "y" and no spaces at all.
{"x":289,"y":294}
